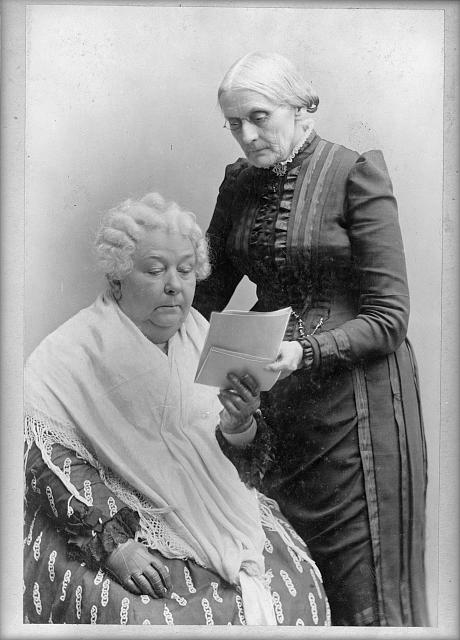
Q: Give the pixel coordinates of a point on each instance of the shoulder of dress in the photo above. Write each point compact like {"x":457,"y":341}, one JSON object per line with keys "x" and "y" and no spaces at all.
{"x":371,"y":165}
{"x":240,"y":163}
{"x":343,"y":153}
{"x":233,"y":170}
{"x":374,"y":156}
{"x":356,"y":157}
{"x":334,"y":159}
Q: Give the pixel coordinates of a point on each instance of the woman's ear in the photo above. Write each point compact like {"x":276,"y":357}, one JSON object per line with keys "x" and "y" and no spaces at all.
{"x":303,"y":119}
{"x":301,"y":114}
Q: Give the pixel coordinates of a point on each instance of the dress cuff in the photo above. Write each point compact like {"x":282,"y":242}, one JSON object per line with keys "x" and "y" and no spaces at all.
{"x":244,"y":437}
{"x":331,"y":348}
{"x":98,"y":543}
{"x":309,"y":358}
{"x":254,"y":459}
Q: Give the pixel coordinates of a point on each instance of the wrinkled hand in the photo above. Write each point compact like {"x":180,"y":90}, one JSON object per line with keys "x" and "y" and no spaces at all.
{"x":288,"y":359}
{"x":240,"y":399}
{"x":139,"y":570}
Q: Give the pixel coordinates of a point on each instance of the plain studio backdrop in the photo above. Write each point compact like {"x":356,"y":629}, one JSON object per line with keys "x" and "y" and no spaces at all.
{"x":121,"y":100}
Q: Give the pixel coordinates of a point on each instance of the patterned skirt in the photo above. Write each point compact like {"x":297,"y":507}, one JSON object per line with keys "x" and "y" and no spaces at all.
{"x":61,"y":590}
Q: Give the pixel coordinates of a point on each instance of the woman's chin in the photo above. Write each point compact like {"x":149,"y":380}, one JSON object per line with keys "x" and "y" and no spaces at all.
{"x":261,"y":159}
{"x":261,"y":163}
{"x":167,"y":321}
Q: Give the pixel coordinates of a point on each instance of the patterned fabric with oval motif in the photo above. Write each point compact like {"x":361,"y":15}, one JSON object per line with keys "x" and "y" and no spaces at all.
{"x":59,"y":589}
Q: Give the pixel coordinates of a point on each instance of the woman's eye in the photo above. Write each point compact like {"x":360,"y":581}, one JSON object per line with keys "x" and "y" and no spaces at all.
{"x":156,"y":272}
{"x":186,"y":269}
{"x":259,"y":117}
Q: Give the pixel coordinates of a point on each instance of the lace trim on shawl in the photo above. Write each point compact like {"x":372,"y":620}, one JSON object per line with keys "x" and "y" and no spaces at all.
{"x":153,"y":530}
{"x":271,"y":522}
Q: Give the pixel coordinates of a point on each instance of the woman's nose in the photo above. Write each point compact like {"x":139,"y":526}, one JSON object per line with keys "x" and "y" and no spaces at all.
{"x":173,"y":282}
{"x":248,"y":132}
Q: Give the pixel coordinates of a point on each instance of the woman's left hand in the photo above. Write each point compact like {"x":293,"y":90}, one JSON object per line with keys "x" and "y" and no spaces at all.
{"x":288,"y":360}
{"x":139,"y":569}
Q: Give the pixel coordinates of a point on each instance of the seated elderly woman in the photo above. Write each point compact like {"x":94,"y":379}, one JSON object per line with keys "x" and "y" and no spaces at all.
{"x":134,"y":515}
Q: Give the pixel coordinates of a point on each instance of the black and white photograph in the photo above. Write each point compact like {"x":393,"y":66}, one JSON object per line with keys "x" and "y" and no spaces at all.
{"x":229,"y":319}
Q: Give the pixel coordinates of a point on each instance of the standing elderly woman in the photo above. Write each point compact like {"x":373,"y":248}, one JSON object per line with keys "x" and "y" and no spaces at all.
{"x":123,"y":468}
{"x":314,"y":225}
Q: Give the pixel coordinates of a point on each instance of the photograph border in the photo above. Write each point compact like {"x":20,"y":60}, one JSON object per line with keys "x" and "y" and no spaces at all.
{"x":12,"y":225}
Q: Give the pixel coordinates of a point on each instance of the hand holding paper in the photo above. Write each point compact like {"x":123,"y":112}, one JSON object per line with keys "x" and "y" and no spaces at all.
{"x":242,"y":342}
{"x":288,"y":360}
{"x":240,"y":401}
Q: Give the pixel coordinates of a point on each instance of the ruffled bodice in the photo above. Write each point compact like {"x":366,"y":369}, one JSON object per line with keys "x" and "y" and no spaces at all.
{"x":268,"y":264}
{"x":259,"y":246}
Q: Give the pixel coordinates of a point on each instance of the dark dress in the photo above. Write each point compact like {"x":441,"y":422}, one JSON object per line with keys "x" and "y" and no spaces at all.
{"x":351,"y":460}
{"x":66,"y":543}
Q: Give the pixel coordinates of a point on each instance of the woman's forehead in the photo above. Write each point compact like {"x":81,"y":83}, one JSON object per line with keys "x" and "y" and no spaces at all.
{"x":244,"y":101}
{"x":158,"y":242}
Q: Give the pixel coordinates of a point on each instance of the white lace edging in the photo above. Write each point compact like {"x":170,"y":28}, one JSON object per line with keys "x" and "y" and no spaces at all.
{"x":272,"y":523}
{"x":153,"y":529}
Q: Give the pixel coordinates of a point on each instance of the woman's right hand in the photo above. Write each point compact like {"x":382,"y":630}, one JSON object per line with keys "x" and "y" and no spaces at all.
{"x":139,"y":570}
{"x":240,"y":400}
{"x":289,"y":358}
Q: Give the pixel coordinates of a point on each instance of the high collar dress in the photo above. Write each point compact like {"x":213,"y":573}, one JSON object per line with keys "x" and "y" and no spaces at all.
{"x":351,"y":470}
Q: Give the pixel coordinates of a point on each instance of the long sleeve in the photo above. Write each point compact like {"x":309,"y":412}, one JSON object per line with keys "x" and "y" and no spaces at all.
{"x":254,"y":460}
{"x":371,"y":220}
{"x":215,"y":292}
{"x":93,"y":530}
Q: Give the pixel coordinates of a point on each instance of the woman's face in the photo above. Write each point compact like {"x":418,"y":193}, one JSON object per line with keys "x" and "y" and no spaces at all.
{"x":159,"y":291}
{"x":267,"y":132}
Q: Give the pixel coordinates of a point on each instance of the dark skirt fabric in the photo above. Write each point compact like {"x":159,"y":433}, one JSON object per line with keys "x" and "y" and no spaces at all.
{"x":351,"y":479}
{"x":61,"y":590}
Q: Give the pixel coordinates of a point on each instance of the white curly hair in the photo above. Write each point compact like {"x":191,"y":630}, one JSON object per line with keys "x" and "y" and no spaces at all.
{"x":121,"y":227}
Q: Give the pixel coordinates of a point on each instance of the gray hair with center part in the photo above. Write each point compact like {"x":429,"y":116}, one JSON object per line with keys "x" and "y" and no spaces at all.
{"x":273,"y":76}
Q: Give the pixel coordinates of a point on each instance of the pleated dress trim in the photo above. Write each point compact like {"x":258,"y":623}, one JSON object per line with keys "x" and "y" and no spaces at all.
{"x":370,"y":487}
{"x":414,"y":437}
{"x":405,"y":521}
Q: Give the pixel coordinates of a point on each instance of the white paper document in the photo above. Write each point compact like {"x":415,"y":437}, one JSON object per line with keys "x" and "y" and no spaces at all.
{"x":242,"y":342}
